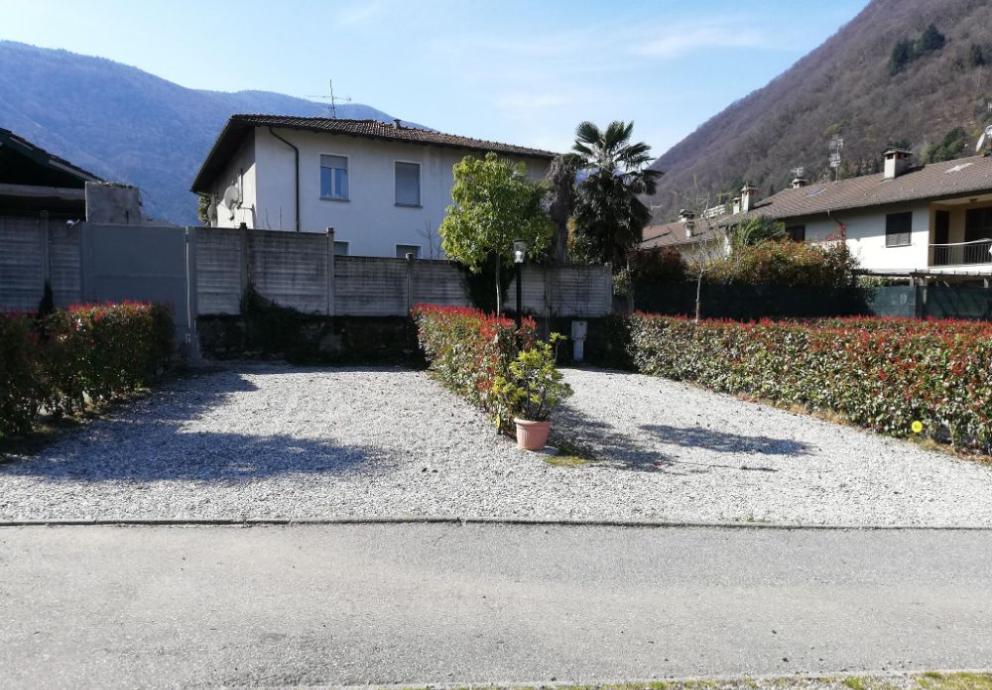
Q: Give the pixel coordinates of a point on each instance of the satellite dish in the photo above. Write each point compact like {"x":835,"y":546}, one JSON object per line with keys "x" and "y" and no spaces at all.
{"x":232,"y":199}
{"x":985,"y":138}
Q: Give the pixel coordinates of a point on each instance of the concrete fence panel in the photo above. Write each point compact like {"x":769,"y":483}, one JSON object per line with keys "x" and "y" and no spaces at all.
{"x":372,"y":286}
{"x":290,"y":268}
{"x":218,"y":268}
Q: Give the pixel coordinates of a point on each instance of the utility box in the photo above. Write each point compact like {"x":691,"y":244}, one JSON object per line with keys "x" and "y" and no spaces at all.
{"x":579,"y":330}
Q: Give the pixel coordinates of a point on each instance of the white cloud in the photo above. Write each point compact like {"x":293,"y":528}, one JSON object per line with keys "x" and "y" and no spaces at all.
{"x":677,"y":41}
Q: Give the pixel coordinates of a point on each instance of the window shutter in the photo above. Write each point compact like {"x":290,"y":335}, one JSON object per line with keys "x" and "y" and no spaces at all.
{"x":408,"y":184}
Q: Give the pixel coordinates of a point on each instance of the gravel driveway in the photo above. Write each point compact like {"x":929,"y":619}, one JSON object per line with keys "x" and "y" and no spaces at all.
{"x":281,"y":442}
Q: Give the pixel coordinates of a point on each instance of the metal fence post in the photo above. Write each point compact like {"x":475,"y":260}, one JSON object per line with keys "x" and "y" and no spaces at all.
{"x":245,"y":258}
{"x":329,"y":273}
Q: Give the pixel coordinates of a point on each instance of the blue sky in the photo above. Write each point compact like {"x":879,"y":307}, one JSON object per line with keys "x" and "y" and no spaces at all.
{"x":523,"y":72}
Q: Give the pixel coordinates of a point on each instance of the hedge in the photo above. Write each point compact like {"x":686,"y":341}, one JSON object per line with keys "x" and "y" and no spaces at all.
{"x":883,"y":374}
{"x":467,"y":349}
{"x":59,"y":362}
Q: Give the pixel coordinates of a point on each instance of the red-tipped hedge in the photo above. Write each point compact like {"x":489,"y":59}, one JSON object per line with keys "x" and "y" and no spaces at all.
{"x":87,"y":353}
{"x":467,"y":349}
{"x":883,"y":374}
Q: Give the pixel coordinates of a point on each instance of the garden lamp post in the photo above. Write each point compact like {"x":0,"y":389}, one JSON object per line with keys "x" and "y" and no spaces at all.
{"x":519,"y":254}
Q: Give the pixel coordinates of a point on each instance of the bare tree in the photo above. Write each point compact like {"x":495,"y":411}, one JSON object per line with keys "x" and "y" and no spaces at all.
{"x":712,"y":245}
{"x":431,"y":240}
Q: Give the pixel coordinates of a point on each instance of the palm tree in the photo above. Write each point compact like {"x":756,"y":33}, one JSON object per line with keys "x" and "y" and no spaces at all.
{"x":609,"y":214}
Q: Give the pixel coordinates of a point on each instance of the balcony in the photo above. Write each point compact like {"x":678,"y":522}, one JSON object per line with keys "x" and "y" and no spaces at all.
{"x":962,"y":253}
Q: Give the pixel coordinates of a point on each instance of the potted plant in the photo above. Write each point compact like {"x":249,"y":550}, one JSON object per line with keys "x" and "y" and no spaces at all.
{"x":532,"y":389}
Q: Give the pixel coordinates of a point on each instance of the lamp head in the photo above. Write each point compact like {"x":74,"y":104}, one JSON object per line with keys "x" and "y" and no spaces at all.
{"x":519,"y":251}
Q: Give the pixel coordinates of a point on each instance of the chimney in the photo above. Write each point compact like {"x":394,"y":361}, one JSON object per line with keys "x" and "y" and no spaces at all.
{"x":897,"y":161}
{"x":688,"y":219}
{"x":798,"y":182}
{"x":749,"y":197}
{"x":396,"y":123}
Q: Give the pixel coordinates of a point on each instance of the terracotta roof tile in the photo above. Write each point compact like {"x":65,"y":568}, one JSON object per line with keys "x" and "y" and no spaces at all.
{"x":372,"y":129}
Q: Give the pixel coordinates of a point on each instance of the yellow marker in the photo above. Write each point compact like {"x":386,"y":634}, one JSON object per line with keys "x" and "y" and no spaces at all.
{"x":916,"y":426}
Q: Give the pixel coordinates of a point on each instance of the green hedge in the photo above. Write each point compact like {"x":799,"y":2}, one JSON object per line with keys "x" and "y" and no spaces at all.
{"x":468,"y":349}
{"x":59,"y":362}
{"x":883,"y":374}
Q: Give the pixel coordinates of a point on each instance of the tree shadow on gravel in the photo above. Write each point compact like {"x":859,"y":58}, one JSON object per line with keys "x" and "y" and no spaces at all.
{"x":723,"y":442}
{"x":144,"y":441}
{"x":605,"y":447}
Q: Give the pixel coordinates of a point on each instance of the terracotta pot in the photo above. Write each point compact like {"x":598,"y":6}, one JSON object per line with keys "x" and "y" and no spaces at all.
{"x":532,"y":435}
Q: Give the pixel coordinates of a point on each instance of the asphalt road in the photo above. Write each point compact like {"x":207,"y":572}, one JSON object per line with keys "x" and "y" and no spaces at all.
{"x":167,"y":606}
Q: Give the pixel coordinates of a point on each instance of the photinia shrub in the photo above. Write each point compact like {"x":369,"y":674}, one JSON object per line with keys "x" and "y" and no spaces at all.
{"x":468,"y":350}
{"x":60,"y":361}
{"x":883,"y":374}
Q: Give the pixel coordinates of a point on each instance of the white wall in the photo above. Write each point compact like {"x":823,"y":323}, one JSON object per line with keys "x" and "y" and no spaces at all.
{"x":239,"y":172}
{"x":866,"y":237}
{"x":369,"y":221}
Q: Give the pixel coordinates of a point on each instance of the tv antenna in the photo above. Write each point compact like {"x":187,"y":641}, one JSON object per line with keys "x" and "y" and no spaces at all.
{"x":332,"y":100}
{"x":798,"y":171}
{"x":836,"y":146}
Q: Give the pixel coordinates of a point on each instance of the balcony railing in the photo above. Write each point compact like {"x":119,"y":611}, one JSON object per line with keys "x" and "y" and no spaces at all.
{"x":962,"y":253}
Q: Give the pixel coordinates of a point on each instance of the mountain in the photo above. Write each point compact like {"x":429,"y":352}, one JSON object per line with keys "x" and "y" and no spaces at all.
{"x":885,"y":78}
{"x":127,"y":125}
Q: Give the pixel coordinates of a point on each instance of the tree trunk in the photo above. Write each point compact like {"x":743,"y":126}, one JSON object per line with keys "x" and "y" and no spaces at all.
{"x":699,"y":296}
{"x":499,"y":291}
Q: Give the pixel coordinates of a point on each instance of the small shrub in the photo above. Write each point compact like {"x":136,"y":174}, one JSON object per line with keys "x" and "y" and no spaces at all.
{"x":787,"y":264}
{"x":468,"y":349}
{"x":533,"y":387}
{"x":88,"y":353}
{"x":20,"y":392}
{"x":883,"y":374}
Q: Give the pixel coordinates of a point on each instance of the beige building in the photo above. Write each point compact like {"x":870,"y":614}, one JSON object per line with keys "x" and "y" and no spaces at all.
{"x":933,"y":220}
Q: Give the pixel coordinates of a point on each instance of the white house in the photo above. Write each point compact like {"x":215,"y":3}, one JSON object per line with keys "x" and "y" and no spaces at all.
{"x":928,"y":221}
{"x":383,"y":187}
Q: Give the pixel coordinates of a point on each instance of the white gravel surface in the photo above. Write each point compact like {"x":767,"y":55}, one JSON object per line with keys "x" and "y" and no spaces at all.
{"x":272,"y":441}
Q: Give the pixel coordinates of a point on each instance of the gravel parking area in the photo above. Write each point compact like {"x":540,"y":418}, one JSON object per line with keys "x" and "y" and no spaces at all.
{"x":272,"y":441}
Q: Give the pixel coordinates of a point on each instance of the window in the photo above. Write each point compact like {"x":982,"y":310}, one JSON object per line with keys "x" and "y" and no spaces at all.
{"x":334,"y":177}
{"x":340,"y":248}
{"x":898,"y":229}
{"x":797,"y":233}
{"x":403,"y":249}
{"x":407,"y":184}
{"x":978,"y":224}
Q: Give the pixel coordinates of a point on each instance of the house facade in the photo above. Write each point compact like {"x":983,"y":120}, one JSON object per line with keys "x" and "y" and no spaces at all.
{"x":384,"y":188}
{"x":932,"y":221}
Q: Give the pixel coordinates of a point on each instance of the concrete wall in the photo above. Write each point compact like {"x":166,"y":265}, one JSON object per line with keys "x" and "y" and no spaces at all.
{"x":90,"y":262}
{"x":866,"y":237}
{"x":369,"y":221}
{"x":300,"y":270}
{"x":33,"y":250}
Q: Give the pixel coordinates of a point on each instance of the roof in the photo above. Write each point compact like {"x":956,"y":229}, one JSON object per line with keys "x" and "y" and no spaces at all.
{"x":933,"y":181}
{"x":238,"y":125}
{"x":672,"y":234}
{"x":24,"y":163}
{"x":946,"y":179}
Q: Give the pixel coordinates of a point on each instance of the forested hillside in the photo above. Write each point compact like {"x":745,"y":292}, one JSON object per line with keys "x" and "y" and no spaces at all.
{"x":916,"y":73}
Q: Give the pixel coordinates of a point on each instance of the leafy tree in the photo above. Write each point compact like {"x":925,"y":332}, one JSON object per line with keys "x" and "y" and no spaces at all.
{"x":754,"y":231}
{"x":930,"y":40}
{"x":954,"y":144}
{"x":560,"y":182}
{"x":204,"y":201}
{"x":903,"y":53}
{"x":976,"y":56}
{"x":609,"y":215}
{"x":494,"y":204}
